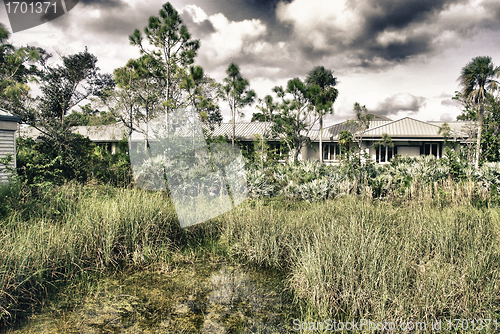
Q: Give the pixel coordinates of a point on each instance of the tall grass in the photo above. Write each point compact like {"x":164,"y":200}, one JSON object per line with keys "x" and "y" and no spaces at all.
{"x":353,"y":258}
{"x":74,"y":229}
{"x":395,"y":247}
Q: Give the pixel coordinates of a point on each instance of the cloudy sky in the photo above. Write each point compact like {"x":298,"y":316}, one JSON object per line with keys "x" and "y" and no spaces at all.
{"x":398,"y":57}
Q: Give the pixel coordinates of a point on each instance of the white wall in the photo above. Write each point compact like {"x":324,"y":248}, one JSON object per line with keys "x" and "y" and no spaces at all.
{"x":409,"y":151}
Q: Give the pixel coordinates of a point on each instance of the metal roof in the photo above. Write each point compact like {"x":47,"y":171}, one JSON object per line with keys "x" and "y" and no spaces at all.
{"x":7,"y":116}
{"x":243,"y":130}
{"x":460,"y":126}
{"x":409,"y":127}
{"x":102,"y":133}
{"x":332,"y":132}
{"x":403,"y":128}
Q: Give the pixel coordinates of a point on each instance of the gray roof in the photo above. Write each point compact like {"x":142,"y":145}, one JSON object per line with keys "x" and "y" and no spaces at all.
{"x":461,"y":126}
{"x":403,"y":128}
{"x":409,"y":127}
{"x":332,"y":132}
{"x":98,"y":134}
{"x":7,"y":116}
{"x":243,"y":130}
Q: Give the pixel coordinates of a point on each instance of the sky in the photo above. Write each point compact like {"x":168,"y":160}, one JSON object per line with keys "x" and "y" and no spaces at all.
{"x":399,"y":58}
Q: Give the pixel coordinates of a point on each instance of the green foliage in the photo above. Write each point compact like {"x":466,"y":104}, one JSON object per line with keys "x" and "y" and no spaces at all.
{"x":41,"y":166}
{"x":323,"y":92}
{"x":172,"y":49}
{"x":490,"y":142}
{"x":17,"y":69}
{"x":295,"y":117}
{"x":89,"y":116}
{"x":313,"y":181}
{"x":478,"y":83}
{"x":237,"y":93}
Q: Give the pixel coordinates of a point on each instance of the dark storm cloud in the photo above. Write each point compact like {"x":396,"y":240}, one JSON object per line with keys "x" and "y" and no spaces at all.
{"x":400,"y":102}
{"x":239,"y":10}
{"x":103,"y":3}
{"x":399,"y":17}
{"x":381,"y":33}
{"x":381,"y":15}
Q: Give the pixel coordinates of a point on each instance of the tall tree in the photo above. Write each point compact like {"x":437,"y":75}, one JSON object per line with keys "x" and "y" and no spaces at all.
{"x":296,"y":116}
{"x":138,"y":98}
{"x":172,"y":45}
{"x":361,"y":123}
{"x":236,"y":91}
{"x":323,"y":94}
{"x":490,"y":132}
{"x":64,"y":87}
{"x":267,"y":106}
{"x":477,"y":81}
{"x":17,"y":68}
{"x":202,"y":95}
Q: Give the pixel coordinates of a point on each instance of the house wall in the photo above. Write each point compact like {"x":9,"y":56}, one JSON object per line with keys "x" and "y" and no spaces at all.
{"x":309,"y":153}
{"x":7,"y":145}
{"x":409,"y":151}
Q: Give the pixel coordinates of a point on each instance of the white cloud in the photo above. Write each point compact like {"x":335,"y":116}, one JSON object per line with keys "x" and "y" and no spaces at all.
{"x":318,"y":21}
{"x":196,"y":13}
{"x":230,"y":39}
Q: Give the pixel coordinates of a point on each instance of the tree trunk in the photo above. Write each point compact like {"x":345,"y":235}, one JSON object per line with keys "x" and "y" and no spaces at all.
{"x":479,"y":130}
{"x":234,"y":128}
{"x":321,"y":138}
{"x":262,"y":156}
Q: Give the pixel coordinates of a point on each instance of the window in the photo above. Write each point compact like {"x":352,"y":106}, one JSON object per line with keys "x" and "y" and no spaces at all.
{"x":278,"y":151}
{"x":384,"y":153}
{"x":432,"y":149}
{"x":331,"y":152}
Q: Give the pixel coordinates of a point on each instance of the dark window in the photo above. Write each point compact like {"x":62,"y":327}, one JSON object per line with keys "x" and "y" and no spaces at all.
{"x":331,"y":152}
{"x":384,"y":153}
{"x":432,"y":149}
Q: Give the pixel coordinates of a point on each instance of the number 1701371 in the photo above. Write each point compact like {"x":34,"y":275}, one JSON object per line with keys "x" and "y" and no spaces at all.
{"x":31,"y":8}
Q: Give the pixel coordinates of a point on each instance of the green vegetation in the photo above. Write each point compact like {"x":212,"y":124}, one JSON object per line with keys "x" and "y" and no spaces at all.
{"x":429,"y":250}
{"x":477,"y":81}
{"x":355,"y":259}
{"x":40,"y":165}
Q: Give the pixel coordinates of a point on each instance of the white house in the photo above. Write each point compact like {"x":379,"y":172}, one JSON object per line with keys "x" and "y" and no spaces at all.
{"x":8,"y":127}
{"x":410,"y":137}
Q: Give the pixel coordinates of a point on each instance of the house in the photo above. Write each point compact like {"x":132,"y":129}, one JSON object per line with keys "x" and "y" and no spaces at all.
{"x":106,"y":136}
{"x":410,"y":137}
{"x":8,"y":127}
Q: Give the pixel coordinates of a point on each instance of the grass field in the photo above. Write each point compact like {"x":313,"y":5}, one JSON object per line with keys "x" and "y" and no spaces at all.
{"x":347,"y":258}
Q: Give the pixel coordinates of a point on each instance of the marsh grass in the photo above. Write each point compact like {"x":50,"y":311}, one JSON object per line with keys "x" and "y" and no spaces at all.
{"x":72,"y":230}
{"x":354,"y":258}
{"x":427,"y":251}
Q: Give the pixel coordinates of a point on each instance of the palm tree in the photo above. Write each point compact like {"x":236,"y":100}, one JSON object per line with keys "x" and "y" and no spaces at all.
{"x":324,"y":94}
{"x":476,"y":79}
